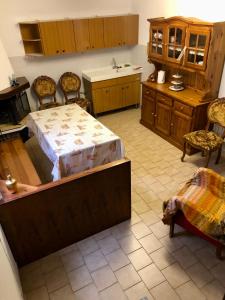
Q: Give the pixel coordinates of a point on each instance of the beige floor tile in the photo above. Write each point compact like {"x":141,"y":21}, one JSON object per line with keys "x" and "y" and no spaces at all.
{"x":159,"y":229}
{"x":149,"y":217}
{"x":32,"y":280}
{"x":163,"y":291}
{"x":171,"y":244}
{"x":207,"y":257}
{"x":138,"y":291}
{"x":64,"y":293}
{"x":194,"y":243}
{"x":134,"y":218}
{"x":67,"y":249}
{"x":219,"y":272}
{"x":141,"y":187}
{"x":103,"y":234}
{"x":156,"y":206}
{"x":151,"y":276}
{"x":199,"y":274}
{"x":140,"y":230}
{"x":157,"y":187}
{"x":108,"y":244}
{"x":103,"y":278}
{"x":129,"y":244}
{"x":56,"y":279}
{"x":72,"y":260}
{"x":175,"y":275}
{"x":214,"y":290}
{"x":140,"y":207}
{"x":113,"y":292}
{"x":149,"y":196}
{"x":127,"y":276}
{"x":162,"y":258}
{"x":79,"y":278}
{"x":29,"y":268}
{"x":95,"y":260}
{"x":189,"y":291}
{"x":87,"y":246}
{"x":38,"y":294}
{"x":117,"y":259}
{"x":86,"y":293}
{"x":140,"y":259}
{"x":185,"y":257}
{"x":150,"y":243}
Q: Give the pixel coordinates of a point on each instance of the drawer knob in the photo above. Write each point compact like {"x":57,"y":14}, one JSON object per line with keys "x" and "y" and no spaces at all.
{"x":153,"y":114}
{"x":181,"y":108}
{"x":171,"y":124}
{"x":147,"y":92}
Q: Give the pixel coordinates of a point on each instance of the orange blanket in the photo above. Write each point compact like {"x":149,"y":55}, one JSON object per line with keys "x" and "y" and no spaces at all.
{"x":202,"y":201}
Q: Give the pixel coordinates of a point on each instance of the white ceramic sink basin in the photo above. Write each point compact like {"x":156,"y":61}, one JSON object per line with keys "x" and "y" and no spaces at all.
{"x":109,"y":73}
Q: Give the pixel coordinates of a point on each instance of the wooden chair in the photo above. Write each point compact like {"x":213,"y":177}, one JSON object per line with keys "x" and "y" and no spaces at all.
{"x":70,"y":84}
{"x":205,"y":140}
{"x":44,"y":88}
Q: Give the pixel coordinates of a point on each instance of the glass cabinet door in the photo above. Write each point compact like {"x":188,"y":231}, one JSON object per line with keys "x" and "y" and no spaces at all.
{"x":156,"y":46}
{"x":175,"y":43}
{"x":197,"y":48}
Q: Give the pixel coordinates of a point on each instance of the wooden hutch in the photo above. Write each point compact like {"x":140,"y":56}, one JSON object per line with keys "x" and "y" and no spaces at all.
{"x":196,"y":50}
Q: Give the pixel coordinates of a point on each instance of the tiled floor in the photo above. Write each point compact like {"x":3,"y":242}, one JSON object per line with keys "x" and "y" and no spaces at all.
{"x":136,"y":259}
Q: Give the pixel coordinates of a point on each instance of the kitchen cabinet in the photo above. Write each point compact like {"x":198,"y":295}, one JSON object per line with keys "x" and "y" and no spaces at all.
{"x":59,"y":37}
{"x":88,"y":34}
{"x":111,"y":94}
{"x":171,"y":116}
{"x":121,"y":31}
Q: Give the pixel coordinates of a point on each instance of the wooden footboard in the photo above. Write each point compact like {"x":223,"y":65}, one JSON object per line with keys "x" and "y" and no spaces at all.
{"x":68,"y":210}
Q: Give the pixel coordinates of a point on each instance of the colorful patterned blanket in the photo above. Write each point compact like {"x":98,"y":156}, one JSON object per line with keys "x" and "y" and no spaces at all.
{"x":202,"y":201}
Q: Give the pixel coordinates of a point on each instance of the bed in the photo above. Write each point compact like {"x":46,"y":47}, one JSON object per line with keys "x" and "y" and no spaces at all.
{"x":73,"y":140}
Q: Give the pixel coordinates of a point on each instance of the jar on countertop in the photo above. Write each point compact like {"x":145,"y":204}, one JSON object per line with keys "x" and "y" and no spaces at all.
{"x":11,"y":184}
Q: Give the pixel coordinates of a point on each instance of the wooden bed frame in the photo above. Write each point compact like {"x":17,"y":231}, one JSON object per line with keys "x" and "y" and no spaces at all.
{"x":63,"y":212}
{"x":180,"y":219}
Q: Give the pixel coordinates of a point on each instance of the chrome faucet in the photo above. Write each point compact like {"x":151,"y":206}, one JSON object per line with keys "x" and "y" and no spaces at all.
{"x":114,"y":65}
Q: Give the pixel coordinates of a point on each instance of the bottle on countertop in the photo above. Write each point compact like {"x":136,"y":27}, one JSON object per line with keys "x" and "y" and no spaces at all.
{"x":11,"y":184}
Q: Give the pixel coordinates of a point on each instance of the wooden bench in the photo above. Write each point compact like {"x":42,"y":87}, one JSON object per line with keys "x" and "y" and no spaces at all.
{"x":15,"y":160}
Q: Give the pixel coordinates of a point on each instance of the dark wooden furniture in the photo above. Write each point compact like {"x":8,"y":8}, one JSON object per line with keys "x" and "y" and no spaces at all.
{"x":14,"y":104}
{"x":205,"y":140}
{"x":15,"y":160}
{"x":66,"y":211}
{"x":70,"y":85}
{"x":195,"y":49}
{"x":58,"y":37}
{"x":180,"y":220}
{"x":44,"y":88}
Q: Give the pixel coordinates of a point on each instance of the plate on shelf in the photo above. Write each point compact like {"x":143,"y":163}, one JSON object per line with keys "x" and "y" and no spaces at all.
{"x":176,"y":82}
{"x":177,"y":89}
{"x":177,"y":76}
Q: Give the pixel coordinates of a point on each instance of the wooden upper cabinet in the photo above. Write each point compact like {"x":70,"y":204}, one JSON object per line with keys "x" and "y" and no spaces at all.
{"x":96,"y":31}
{"x":66,"y":36}
{"x":157,"y":40}
{"x":197,"y":43}
{"x":175,"y":41}
{"x":57,"y":37}
{"x":81,"y":31}
{"x":131,"y":27}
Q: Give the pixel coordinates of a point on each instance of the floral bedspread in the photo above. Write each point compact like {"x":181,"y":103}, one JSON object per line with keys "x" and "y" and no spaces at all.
{"x":202,"y":201}
{"x":73,"y":140}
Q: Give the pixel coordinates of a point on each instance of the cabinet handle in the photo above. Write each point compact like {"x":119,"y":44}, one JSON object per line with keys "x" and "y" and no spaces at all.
{"x":92,"y":47}
{"x":155,"y":116}
{"x":63,"y":51}
{"x":171,"y":124}
{"x":147,"y":92}
{"x":57,"y":51}
{"x":181,"y":107}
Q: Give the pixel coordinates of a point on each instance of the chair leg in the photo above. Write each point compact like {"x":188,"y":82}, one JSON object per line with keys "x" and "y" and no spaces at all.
{"x":171,"y":233}
{"x":219,"y":155}
{"x":184,"y":151}
{"x":208,"y":155}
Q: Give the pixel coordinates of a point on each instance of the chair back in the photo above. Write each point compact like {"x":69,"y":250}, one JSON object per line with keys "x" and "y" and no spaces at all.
{"x":216,"y":115}
{"x":45,"y":88}
{"x":70,"y":84}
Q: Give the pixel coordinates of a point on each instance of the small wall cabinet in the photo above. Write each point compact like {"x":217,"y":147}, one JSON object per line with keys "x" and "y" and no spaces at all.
{"x":114,"y":93}
{"x":80,"y":35}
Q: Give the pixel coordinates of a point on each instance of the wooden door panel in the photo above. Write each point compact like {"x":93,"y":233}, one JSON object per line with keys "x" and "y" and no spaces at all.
{"x":115,"y":97}
{"x":96,"y":31}
{"x":98,"y":101}
{"x":132,"y":93}
{"x":81,"y":31}
{"x":66,"y":36}
{"x":163,"y":118}
{"x":50,"y":38}
{"x":130,"y":30}
{"x":148,"y":111}
{"x":181,"y":124}
{"x":112,"y":31}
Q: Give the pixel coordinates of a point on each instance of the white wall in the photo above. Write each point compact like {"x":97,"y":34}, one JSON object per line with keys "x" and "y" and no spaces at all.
{"x":202,"y":9}
{"x":10,"y":288}
{"x":6,"y":69}
{"x":12,"y":12}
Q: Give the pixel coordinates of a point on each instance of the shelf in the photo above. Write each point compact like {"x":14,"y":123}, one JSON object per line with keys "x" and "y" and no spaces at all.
{"x":32,"y":40}
{"x":35,"y":54}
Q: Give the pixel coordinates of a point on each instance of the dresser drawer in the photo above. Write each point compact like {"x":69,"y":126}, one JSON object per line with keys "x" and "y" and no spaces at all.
{"x":183,"y":108}
{"x":164,"y":99}
{"x":146,"y":92}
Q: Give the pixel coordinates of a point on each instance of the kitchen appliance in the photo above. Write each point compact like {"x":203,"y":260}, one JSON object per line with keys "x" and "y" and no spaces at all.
{"x":161,"y":76}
